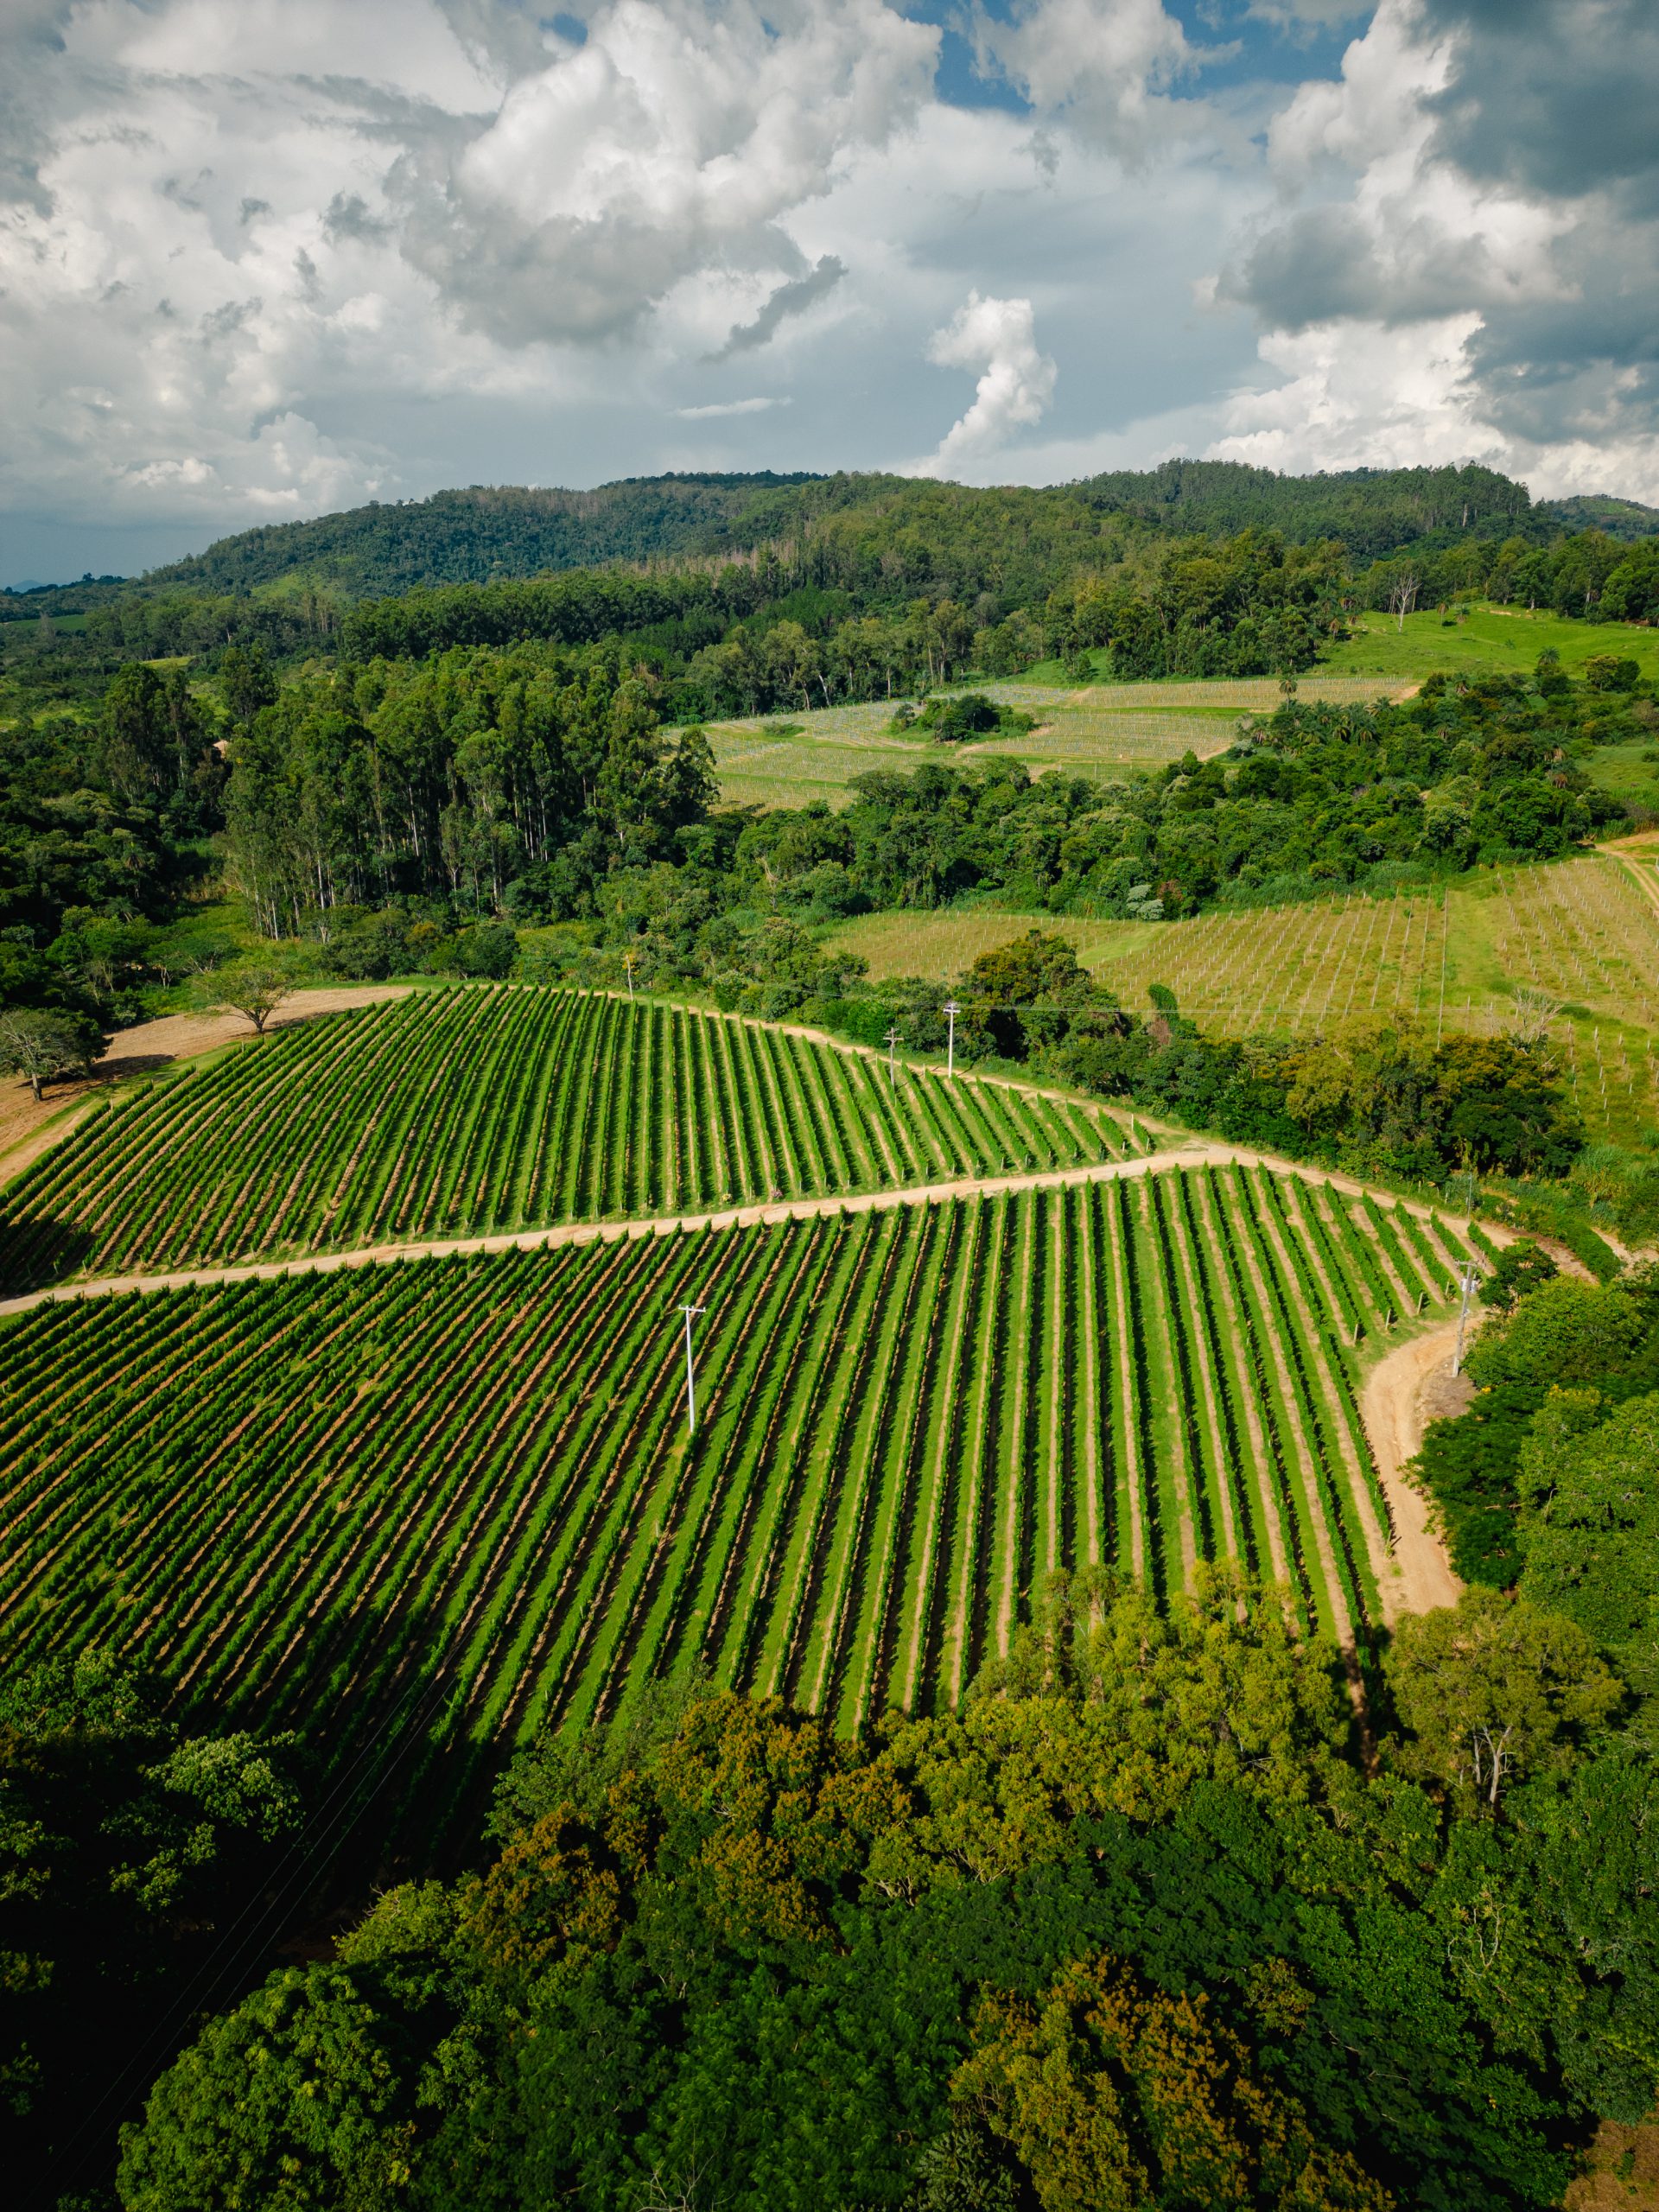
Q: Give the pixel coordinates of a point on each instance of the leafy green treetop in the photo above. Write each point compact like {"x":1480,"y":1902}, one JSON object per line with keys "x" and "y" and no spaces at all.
{"x":1492,"y":1691}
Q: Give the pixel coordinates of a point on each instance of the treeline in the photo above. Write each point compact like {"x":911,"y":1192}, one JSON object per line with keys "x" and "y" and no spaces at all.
{"x":103,"y":841}
{"x":781,"y":595}
{"x":1549,"y":1484}
{"x":489,"y":531}
{"x":1589,"y":576}
{"x":1372,"y":510}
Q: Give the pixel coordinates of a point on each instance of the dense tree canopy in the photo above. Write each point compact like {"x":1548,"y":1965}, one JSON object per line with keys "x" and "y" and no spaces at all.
{"x":127,"y":1842}
{"x":1133,"y":1928}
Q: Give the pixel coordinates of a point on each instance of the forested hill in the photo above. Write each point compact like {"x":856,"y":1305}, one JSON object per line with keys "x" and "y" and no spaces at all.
{"x":1627,"y":519}
{"x":489,"y":531}
{"x":501,"y":533}
{"x":1373,"y":510}
{"x":489,"y":534}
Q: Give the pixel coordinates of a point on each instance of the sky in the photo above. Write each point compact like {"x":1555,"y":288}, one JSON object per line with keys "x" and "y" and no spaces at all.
{"x":261,"y":259}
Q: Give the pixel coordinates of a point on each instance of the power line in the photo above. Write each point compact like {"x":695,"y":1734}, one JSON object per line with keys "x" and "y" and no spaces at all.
{"x":1470,"y":1279}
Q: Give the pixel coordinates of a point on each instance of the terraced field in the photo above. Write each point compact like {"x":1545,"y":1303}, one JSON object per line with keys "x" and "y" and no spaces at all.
{"x":417,"y":1509}
{"x":464,"y":1112}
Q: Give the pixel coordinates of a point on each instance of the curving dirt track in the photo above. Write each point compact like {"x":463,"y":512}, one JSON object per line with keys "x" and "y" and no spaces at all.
{"x":1393,"y":1408}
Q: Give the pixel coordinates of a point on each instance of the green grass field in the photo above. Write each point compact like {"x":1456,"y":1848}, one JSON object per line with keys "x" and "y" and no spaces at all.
{"x":1481,"y":638}
{"x":1100,"y":730}
{"x":1582,"y":929}
{"x":1104,"y":729}
{"x":27,"y":626}
{"x":457,"y":1495}
{"x":1631,"y":772}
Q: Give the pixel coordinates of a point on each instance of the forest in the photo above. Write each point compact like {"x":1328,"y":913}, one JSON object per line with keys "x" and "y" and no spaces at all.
{"x":1126,"y":560}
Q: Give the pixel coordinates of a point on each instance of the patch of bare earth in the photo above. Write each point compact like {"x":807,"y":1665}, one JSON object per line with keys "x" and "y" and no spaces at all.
{"x":29,"y":1126}
{"x":1404,"y":1393}
{"x":1622,"y":2173}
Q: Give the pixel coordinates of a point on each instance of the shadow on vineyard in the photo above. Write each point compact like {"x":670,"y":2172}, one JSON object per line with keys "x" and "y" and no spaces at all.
{"x":41,"y":1252}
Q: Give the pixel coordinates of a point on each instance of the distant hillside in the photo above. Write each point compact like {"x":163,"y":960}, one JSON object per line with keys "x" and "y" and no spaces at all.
{"x":1625,"y":518}
{"x":500,"y":533}
{"x":22,"y":602}
{"x":1373,"y":510}
{"x":486,"y":533}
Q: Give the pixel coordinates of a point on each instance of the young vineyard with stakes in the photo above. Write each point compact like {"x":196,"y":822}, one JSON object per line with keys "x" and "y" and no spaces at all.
{"x":1581,"y":935}
{"x":415,"y":1510}
{"x":464,"y":1112}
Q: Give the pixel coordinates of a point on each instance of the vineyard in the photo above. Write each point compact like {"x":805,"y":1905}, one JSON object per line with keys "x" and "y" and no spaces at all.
{"x":463,"y":1112}
{"x":1581,"y":931}
{"x":432,"y":1505}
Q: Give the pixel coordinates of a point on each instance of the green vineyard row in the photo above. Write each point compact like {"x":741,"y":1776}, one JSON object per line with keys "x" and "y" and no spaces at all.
{"x":300,"y":1497}
{"x":468,"y":1111}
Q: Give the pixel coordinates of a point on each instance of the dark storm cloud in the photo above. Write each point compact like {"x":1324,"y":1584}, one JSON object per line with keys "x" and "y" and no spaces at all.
{"x":793,"y":298}
{"x":34,"y":37}
{"x":1548,"y":106}
{"x":1326,"y":262}
{"x":1556,"y":96}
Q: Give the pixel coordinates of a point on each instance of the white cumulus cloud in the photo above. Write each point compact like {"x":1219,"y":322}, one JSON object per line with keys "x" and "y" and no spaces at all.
{"x":999,"y":338}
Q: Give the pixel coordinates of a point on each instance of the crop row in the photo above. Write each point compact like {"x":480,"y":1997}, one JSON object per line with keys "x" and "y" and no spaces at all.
{"x":302,"y":1496}
{"x":470,"y":1111}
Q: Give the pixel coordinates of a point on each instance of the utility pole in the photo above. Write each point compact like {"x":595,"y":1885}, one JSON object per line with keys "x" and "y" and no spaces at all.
{"x":892,"y":1077}
{"x":950,"y":1011}
{"x":690,"y":1379}
{"x":1470,"y":1279}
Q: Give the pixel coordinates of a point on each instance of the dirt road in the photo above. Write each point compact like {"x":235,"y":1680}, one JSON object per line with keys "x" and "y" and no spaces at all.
{"x":1391,"y":1405}
{"x":1394,"y":1415}
{"x":615,"y":1232}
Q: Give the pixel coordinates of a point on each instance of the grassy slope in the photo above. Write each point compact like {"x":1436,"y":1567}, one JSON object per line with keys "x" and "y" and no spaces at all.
{"x":1102,"y":729}
{"x":1580,"y":930}
{"x":1485,"y":638}
{"x":1098,"y":730}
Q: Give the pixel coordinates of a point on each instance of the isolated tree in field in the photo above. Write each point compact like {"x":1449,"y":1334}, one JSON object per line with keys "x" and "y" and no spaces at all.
{"x":44,"y":1046}
{"x":1493,"y":1690}
{"x":1534,"y":1011}
{"x":252,"y":988}
{"x":1402,"y":595}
